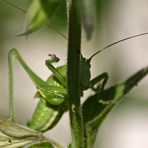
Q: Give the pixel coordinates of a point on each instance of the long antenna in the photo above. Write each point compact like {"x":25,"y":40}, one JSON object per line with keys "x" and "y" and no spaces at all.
{"x":114,"y":43}
{"x":65,"y":37}
{"x":22,"y":10}
{"x":13,"y":5}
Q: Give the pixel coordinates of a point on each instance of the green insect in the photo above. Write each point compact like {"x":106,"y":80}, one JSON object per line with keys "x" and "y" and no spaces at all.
{"x":53,"y":92}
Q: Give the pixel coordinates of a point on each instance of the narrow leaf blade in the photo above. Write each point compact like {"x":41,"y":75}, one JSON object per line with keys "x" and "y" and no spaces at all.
{"x":35,"y":17}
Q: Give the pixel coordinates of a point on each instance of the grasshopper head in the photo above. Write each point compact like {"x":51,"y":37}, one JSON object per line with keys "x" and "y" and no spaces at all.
{"x":53,"y":59}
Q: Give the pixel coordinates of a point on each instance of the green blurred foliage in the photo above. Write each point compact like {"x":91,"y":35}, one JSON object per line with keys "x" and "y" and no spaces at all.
{"x":12,"y":16}
{"x":58,"y":19}
{"x":42,"y":11}
{"x":103,"y":7}
{"x":9,"y":17}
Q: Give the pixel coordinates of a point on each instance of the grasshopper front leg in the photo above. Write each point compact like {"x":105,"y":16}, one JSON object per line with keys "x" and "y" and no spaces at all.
{"x":60,"y":75}
{"x":102,"y":77}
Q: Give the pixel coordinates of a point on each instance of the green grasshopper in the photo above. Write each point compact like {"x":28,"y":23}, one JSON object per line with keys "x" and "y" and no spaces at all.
{"x":53,"y":92}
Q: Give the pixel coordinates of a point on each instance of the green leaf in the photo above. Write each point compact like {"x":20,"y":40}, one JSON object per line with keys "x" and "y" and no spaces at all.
{"x":51,"y":6}
{"x":13,"y":135}
{"x":96,"y":107}
{"x":69,"y":145}
{"x":42,"y":145}
{"x":59,"y":18}
{"x":35,"y":17}
{"x":39,"y":12}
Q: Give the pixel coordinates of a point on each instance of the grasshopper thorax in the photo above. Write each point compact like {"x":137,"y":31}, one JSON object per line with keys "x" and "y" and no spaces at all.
{"x":84,"y":73}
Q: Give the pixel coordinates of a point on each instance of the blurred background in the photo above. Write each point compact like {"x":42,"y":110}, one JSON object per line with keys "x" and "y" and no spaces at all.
{"x":127,"y":125}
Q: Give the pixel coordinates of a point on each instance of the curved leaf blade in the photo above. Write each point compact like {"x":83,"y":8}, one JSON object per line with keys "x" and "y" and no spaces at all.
{"x":39,"y":12}
{"x":97,"y":107}
{"x":13,"y":135}
{"x":35,"y":17}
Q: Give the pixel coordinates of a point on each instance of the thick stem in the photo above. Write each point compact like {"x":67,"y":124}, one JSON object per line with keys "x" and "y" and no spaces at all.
{"x":74,"y":43}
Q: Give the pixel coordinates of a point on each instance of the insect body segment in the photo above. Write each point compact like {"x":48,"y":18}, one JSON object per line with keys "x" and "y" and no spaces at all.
{"x":45,"y":116}
{"x":85,"y":76}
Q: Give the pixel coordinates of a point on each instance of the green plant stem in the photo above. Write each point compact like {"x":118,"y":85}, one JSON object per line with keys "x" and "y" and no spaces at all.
{"x":11,"y":110}
{"x":74,"y":43}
